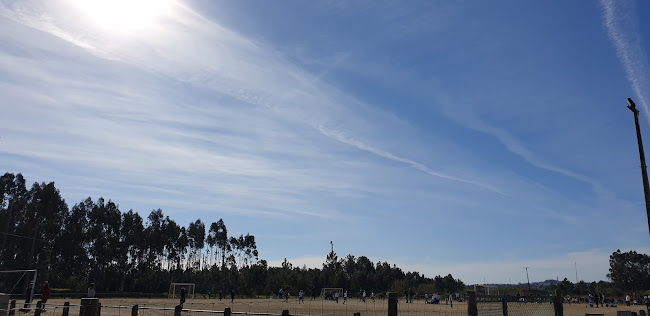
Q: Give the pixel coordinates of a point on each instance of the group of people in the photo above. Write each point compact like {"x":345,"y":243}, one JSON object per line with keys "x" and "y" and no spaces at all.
{"x":45,"y":295}
{"x":435,"y":298}
{"x":285,"y":294}
{"x":362,"y":296}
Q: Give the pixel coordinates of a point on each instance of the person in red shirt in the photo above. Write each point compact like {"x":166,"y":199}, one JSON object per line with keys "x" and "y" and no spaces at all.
{"x":45,"y":294}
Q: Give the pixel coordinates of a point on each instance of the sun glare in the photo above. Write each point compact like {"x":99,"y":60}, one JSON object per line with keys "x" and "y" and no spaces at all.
{"x":124,"y":15}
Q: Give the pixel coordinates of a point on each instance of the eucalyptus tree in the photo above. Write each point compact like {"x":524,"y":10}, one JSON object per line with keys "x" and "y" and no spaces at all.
{"x":155,"y":239}
{"x":222,"y":241}
{"x":171,"y":232}
{"x":50,"y":211}
{"x":182,"y":242}
{"x":132,"y":238}
{"x":250,"y":249}
{"x":236,"y":249}
{"x":196,"y":236}
{"x":131,"y":245}
{"x":104,"y":221}
{"x":15,"y":199}
{"x":74,"y":261}
{"x":211,"y":240}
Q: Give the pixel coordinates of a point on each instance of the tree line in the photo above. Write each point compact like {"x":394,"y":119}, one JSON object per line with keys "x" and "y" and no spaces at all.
{"x":94,"y":241}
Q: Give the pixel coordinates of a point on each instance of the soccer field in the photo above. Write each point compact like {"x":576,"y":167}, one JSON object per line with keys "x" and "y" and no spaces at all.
{"x":165,"y":307}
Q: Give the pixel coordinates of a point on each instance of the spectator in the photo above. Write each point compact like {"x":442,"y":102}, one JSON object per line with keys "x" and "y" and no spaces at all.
{"x":183,"y":294}
{"x":45,"y":295}
{"x":91,"y":290}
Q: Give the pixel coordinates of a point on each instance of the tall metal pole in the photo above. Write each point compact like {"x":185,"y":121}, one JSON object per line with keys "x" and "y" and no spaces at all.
{"x":576,"y":266}
{"x":527,"y":279}
{"x":644,"y":172}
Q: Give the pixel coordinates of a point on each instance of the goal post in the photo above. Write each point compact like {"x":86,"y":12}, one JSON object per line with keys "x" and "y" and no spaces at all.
{"x":328,"y":293}
{"x":18,"y":282}
{"x":175,"y":289}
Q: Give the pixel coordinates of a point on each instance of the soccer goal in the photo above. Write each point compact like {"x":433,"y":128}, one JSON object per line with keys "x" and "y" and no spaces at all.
{"x":175,"y":290}
{"x":484,"y":289}
{"x":328,"y":293}
{"x":18,"y":282}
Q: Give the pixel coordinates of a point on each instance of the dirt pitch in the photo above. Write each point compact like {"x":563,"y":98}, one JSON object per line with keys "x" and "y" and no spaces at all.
{"x":200,"y":307}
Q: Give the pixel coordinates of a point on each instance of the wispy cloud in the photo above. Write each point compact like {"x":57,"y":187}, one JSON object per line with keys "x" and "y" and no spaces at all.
{"x":515,"y":146}
{"x":621,"y":24}
{"x":340,"y":136}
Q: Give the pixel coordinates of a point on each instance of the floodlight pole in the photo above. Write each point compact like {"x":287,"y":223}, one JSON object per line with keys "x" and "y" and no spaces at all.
{"x":527,"y":279}
{"x":644,"y":172}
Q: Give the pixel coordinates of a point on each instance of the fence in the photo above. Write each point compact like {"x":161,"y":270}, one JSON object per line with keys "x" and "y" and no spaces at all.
{"x":474,"y":306}
{"x":252,"y":307}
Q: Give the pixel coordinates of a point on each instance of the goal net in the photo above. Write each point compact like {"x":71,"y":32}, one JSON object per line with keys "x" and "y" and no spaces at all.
{"x":18,"y":283}
{"x":328,"y":293}
{"x":175,"y":290}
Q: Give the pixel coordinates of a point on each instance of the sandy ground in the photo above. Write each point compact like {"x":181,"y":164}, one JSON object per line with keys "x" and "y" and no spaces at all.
{"x":164,"y":307}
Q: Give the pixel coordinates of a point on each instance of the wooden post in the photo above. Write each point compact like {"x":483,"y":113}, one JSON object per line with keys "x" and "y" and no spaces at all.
{"x":89,"y":307}
{"x":66,"y":309}
{"x":37,"y":311}
{"x":12,"y":308}
{"x":4,"y":304}
{"x":472,"y":308}
{"x":557,"y":304}
{"x":392,"y":304}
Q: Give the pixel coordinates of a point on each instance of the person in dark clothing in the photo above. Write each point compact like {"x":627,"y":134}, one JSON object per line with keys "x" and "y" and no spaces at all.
{"x":220,"y":295}
{"x":183,"y":294}
{"x":232,"y":296}
{"x":28,"y":296}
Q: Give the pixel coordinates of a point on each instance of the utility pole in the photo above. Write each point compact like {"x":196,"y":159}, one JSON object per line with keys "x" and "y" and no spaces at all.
{"x":576,"y":266}
{"x":644,"y":172}
{"x":527,"y":279}
{"x":332,"y":243}
{"x":4,"y":239}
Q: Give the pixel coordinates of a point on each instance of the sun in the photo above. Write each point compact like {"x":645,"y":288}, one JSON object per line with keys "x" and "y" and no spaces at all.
{"x":123,"y":15}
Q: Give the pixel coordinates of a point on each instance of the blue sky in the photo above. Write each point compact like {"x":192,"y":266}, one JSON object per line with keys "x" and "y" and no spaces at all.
{"x":472,"y":138}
